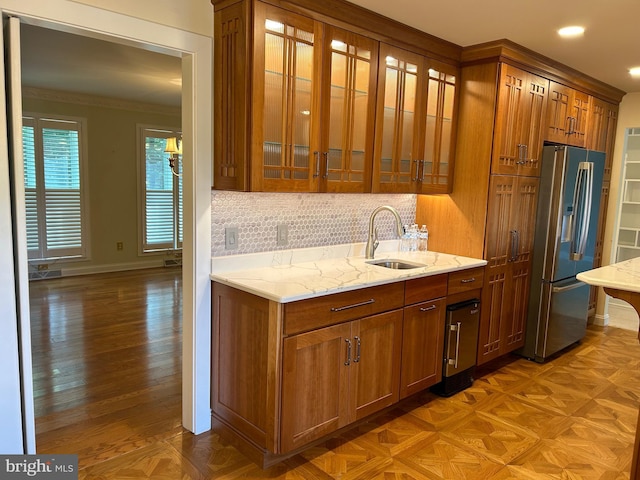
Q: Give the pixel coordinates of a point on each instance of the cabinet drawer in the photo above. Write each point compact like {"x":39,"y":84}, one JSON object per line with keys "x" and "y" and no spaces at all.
{"x":425,"y":288}
{"x":331,"y":309}
{"x":465,"y":280}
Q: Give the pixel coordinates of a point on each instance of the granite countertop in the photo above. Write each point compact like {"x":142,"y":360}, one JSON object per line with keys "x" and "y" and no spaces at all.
{"x":622,"y":276}
{"x":290,"y":275}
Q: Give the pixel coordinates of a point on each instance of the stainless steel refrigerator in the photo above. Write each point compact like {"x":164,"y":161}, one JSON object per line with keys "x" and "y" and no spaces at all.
{"x":564,"y":245}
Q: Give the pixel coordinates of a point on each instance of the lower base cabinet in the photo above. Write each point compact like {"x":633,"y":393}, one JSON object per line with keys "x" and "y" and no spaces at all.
{"x":337,"y":375}
{"x":287,"y":375}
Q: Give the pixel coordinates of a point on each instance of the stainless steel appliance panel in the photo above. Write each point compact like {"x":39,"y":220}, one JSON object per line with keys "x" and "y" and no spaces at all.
{"x":564,"y":245}
{"x":563,"y":316}
{"x":461,"y":337}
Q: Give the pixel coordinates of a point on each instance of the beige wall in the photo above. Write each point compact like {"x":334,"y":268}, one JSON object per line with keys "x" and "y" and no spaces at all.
{"x":113,"y":180}
{"x":628,"y":117}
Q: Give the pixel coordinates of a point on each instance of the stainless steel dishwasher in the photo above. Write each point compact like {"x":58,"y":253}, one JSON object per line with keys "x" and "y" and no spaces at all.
{"x":460,"y":347}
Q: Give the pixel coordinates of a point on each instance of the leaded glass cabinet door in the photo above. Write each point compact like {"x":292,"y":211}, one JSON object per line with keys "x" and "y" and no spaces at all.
{"x":348,"y":99}
{"x":436,"y":171}
{"x":397,"y":163}
{"x":286,"y":69}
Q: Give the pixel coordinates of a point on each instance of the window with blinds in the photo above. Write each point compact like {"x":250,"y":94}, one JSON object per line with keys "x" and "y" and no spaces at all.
{"x":53,"y":168}
{"x":161,"y":202}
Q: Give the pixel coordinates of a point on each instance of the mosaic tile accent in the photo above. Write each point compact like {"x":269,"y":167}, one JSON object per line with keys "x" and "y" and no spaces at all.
{"x":312,"y":219}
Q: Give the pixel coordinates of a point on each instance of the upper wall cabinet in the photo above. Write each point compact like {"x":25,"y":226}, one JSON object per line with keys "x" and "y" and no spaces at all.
{"x":415,"y":130}
{"x":295,"y":102}
{"x":313,"y":105}
{"x":567,"y":115}
{"x":520,"y":116}
{"x":601,"y":130}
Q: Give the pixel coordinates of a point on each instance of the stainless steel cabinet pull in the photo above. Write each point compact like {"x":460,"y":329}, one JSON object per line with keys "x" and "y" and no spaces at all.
{"x":348,"y":362}
{"x":457,"y":328}
{"x":421,"y":163}
{"x":355,"y":305}
{"x":514,"y":245}
{"x":417,"y":163}
{"x":357,"y":359}
{"x":572,"y":125}
{"x":317,"y":155}
{"x":428,"y":309}
{"x":326,"y":164}
{"x":468,"y":280}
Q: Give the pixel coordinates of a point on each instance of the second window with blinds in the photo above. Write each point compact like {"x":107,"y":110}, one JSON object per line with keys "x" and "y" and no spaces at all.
{"x":160,"y":192}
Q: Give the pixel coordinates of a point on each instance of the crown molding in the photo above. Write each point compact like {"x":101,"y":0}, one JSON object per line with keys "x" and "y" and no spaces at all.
{"x":97,"y":101}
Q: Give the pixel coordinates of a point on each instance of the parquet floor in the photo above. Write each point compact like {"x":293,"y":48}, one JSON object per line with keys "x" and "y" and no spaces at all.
{"x":108,"y":395}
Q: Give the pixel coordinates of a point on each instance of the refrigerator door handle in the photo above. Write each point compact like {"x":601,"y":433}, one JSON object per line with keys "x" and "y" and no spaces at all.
{"x":582,"y":198}
{"x":573,"y":286}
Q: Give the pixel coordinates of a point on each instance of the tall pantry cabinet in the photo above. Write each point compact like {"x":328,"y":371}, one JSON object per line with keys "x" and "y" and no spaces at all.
{"x":512,"y":101}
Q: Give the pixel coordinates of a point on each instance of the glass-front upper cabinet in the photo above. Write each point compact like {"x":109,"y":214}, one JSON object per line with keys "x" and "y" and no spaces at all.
{"x":314,"y":105}
{"x":414,"y":126}
{"x":348,"y":102}
{"x":286,"y":72}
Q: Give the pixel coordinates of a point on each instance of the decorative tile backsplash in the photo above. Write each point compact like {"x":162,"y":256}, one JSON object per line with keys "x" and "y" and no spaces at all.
{"x":312,"y":219}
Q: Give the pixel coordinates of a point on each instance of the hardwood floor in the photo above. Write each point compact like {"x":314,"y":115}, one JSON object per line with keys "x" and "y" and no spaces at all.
{"x":107,"y":381}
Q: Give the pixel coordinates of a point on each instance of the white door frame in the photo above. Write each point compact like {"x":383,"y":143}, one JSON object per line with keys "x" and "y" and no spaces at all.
{"x":197,"y":59}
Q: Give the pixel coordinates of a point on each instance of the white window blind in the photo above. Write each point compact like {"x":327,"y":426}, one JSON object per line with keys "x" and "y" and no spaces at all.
{"x":53,"y":164}
{"x":161,"y":193}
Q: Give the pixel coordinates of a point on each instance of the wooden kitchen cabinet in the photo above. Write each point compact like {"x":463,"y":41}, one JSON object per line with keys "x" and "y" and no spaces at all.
{"x":415,"y":129}
{"x":520,"y":116}
{"x":601,"y":131}
{"x":567,"y":115}
{"x":423,"y":334}
{"x":314,"y":104}
{"x":505,"y":297}
{"x":295,"y":99}
{"x":337,"y":375}
{"x":285,"y":375}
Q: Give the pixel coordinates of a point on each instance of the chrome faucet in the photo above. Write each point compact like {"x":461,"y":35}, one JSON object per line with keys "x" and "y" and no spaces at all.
{"x":372,"y":241}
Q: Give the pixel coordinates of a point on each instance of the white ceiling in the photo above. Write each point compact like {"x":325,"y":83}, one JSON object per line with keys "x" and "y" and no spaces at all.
{"x":609,"y":47}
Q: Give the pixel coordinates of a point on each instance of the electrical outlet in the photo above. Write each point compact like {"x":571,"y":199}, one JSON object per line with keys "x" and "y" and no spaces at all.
{"x":282,"y":237}
{"x":119,"y":246}
{"x":231,"y":238}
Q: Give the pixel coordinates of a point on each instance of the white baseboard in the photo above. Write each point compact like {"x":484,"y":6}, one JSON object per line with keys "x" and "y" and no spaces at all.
{"x":622,"y":316}
{"x":599,"y":320}
{"x":73,"y":270}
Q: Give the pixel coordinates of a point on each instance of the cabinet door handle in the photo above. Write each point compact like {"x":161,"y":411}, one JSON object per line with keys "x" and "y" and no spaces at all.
{"x":317,"y":156}
{"x":429,"y":308}
{"x":417,"y":164}
{"x":357,"y":359}
{"x":421,"y":163}
{"x":326,"y":164}
{"x":457,"y":328}
{"x":348,"y":361}
{"x":468,"y":280}
{"x":572,"y":125}
{"x":514,"y":245}
{"x":355,"y":305}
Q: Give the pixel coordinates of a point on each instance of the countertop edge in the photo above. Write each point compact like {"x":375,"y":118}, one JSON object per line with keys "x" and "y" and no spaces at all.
{"x":406,"y":275}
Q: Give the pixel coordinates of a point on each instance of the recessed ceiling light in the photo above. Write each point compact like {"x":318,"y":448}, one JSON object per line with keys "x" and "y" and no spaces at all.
{"x":568,"y":32}
{"x":635,"y":71}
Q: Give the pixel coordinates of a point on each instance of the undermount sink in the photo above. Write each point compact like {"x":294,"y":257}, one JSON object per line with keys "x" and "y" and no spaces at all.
{"x":395,"y":264}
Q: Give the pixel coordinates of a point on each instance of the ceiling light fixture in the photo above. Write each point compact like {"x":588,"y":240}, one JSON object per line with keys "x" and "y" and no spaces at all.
{"x":634,"y":72}
{"x":571,"y":32}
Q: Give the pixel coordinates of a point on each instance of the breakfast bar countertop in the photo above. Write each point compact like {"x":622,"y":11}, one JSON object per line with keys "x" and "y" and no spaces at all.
{"x":622,"y":276}
{"x":290,"y":275}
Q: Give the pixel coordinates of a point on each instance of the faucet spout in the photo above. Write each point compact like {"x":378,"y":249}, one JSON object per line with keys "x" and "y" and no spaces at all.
{"x":372,"y":240}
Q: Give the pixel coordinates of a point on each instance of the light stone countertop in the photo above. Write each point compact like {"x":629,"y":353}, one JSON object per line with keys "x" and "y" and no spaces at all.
{"x":622,"y":276}
{"x":289,"y":275}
